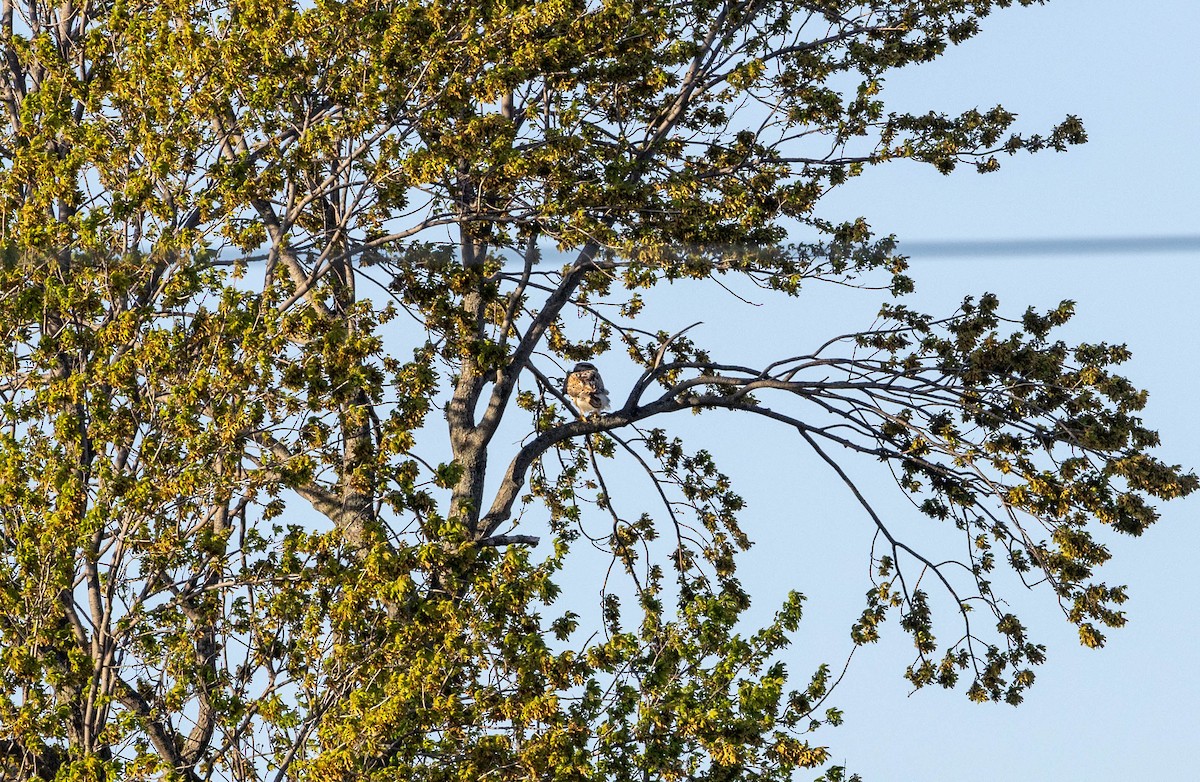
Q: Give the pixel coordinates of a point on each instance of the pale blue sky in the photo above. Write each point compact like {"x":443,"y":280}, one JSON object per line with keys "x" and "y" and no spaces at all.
{"x":1132,"y":72}
{"x":1128,"y":712}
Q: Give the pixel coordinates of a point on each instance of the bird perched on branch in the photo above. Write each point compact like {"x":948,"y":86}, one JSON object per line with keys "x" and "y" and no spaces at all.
{"x":586,"y":389}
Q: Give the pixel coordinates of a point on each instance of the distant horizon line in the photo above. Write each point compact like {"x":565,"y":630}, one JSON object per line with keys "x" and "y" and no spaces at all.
{"x":1048,"y":246}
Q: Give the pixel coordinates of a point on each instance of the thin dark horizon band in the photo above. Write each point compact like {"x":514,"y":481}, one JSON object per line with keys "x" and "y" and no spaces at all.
{"x":917,"y":249}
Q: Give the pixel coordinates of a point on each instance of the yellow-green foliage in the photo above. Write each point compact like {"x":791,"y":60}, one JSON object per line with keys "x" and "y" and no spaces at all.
{"x":272,"y":275}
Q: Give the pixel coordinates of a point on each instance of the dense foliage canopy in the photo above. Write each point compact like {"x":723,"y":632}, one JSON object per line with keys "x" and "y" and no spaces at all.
{"x":275,"y":274}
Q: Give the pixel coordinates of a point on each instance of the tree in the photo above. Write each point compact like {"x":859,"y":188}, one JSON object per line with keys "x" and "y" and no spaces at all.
{"x":251,"y":249}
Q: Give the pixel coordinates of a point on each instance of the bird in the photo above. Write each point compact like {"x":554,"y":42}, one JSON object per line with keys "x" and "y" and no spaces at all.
{"x":586,"y":389}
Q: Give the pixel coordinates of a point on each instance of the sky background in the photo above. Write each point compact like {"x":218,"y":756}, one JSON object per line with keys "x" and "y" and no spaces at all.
{"x":1132,"y":72}
{"x":1129,"y":711}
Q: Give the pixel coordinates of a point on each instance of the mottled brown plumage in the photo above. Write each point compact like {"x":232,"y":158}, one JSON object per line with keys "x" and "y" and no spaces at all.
{"x":586,"y":389}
